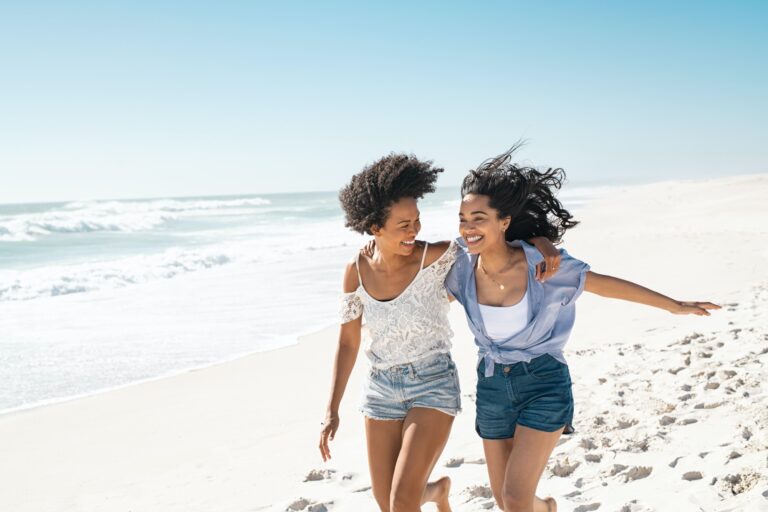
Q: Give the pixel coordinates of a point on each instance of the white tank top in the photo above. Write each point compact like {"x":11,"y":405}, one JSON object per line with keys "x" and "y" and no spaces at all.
{"x":411,"y":326}
{"x":502,"y":322}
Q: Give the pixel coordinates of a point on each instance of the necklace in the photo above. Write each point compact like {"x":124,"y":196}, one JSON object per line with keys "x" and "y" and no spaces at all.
{"x":501,"y":286}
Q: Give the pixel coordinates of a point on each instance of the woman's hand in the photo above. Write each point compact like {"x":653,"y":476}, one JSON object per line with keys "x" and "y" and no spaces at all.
{"x":551,"y":256}
{"x":693,"y":308}
{"x":368,"y":249}
{"x":327,"y":433}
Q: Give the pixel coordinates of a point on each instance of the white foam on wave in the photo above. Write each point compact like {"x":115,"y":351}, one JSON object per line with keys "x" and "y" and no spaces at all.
{"x":58,"y":280}
{"x":116,"y":216}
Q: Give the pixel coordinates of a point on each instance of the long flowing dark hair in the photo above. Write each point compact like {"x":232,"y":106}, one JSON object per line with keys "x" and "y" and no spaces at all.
{"x":523,"y":193}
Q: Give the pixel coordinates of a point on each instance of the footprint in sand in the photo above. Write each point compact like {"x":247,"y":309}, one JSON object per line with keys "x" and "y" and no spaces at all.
{"x":564,"y":468}
{"x":624,"y":423}
{"x":740,"y":482}
{"x":638,"y":445}
{"x":304,"y":504}
{"x":674,"y":462}
{"x":689,"y":421}
{"x":666,"y":420}
{"x":319,"y":474}
{"x":587,"y":508}
{"x":593,"y":457}
{"x":692,"y":475}
{"x":617,"y":468}
{"x":478,"y":491}
{"x":299,"y":504}
{"x":454,"y":462}
{"x":587,"y":444}
{"x":637,"y":473}
{"x":713,"y":405}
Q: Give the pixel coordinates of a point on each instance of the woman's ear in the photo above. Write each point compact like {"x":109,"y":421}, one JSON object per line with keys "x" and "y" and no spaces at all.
{"x":374,"y":229}
{"x":505,"y":223}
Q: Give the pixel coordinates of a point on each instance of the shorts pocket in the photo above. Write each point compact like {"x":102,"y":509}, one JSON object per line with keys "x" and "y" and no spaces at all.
{"x":546,"y":368}
{"x":442,"y":367}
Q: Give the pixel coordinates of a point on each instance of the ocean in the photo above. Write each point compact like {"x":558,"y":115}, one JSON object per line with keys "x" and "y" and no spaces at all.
{"x":100,"y":294}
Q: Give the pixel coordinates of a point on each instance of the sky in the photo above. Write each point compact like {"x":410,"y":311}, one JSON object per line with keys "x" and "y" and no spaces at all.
{"x":155,"y":99}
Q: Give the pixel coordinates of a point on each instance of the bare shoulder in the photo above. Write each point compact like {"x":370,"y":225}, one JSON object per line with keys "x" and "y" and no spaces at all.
{"x":351,"y":281}
{"x":435,"y":250}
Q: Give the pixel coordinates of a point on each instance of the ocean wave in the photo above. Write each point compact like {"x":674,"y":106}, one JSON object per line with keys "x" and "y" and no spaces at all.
{"x":115,"y":216}
{"x":169,"y":205}
{"x":87,"y":277}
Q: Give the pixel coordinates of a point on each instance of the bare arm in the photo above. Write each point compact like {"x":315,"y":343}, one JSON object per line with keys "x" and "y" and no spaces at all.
{"x":344,"y":362}
{"x":549,"y":266}
{"x":615,"y":288}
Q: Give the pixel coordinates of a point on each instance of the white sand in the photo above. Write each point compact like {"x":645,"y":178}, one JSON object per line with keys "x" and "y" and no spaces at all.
{"x":680,"y":395}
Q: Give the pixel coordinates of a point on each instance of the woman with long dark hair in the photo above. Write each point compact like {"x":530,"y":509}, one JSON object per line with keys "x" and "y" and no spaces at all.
{"x":412,"y":390}
{"x":524,"y":400}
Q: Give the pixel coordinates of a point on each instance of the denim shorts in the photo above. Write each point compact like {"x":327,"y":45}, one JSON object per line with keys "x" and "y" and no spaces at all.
{"x":431,"y":382}
{"x":536,"y":395}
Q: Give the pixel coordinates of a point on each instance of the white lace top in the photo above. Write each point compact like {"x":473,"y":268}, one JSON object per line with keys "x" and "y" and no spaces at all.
{"x":411,"y":326}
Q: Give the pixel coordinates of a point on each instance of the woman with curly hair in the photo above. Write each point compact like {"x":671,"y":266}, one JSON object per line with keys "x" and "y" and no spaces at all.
{"x":412,"y":390}
{"x":524,"y":399}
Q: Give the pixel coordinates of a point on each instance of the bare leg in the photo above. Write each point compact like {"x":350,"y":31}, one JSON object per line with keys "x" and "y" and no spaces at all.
{"x":425,"y":432}
{"x":525,"y":465}
{"x":496,"y":456}
{"x":384,"y":438}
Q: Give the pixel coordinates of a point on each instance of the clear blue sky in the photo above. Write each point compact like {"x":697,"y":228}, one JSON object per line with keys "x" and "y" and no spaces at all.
{"x":134,"y":99}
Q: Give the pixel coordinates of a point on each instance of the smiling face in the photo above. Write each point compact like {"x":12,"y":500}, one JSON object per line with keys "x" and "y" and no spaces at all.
{"x":399,"y":231}
{"x":479,"y":224}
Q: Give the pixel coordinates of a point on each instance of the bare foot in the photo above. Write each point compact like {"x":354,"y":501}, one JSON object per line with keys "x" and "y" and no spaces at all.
{"x":437,"y":492}
{"x":551,"y":504}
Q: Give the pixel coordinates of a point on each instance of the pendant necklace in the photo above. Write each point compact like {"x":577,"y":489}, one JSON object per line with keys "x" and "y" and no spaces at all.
{"x":501,"y":286}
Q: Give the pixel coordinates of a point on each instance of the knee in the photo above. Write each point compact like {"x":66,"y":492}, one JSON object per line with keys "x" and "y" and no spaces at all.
{"x":516,"y":502}
{"x":405,"y":498}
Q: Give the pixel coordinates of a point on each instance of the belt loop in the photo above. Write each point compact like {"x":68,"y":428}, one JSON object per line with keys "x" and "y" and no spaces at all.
{"x":412,"y":371}
{"x":525,"y":367}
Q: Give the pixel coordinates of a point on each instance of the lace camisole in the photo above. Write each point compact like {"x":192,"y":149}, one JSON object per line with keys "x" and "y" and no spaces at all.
{"x":411,"y":326}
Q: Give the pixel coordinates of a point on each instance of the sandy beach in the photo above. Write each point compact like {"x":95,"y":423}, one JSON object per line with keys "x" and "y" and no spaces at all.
{"x":671,"y":412}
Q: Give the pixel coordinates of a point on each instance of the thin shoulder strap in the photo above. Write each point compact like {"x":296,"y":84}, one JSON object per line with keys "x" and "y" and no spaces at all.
{"x":357,"y":266}
{"x":424,"y":256}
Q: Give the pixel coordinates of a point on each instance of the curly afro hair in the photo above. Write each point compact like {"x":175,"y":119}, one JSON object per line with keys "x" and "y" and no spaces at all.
{"x":525,"y":194}
{"x":368,"y":196}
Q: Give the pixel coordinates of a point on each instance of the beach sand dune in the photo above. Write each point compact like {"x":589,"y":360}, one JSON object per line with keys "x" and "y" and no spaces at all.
{"x":672,"y":412}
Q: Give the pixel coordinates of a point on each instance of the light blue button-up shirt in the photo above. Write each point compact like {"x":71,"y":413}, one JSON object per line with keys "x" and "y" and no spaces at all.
{"x":551,"y":306}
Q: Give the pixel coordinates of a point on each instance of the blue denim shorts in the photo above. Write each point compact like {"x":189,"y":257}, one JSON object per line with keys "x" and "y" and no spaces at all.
{"x":431,"y":382}
{"x":536,"y":395}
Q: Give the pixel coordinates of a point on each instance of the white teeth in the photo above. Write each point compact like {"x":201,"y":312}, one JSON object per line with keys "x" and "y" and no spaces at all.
{"x":411,"y":242}
{"x":474,"y":238}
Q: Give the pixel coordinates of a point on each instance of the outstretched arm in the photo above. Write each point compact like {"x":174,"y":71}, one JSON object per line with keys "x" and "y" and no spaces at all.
{"x":615,"y":288}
